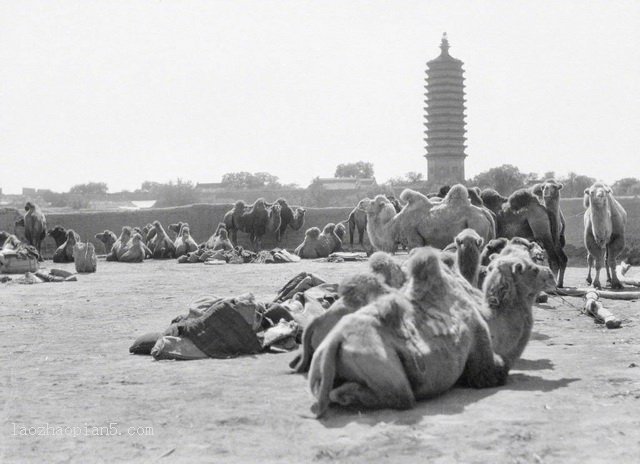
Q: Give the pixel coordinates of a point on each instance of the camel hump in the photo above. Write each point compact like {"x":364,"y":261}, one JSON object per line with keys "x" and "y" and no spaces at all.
{"x":413,"y":197}
{"x":521,"y":199}
{"x":457,"y":194}
{"x":312,"y":232}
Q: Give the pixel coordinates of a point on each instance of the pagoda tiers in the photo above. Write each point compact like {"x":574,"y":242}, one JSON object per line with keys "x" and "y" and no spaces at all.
{"x":445,"y":118}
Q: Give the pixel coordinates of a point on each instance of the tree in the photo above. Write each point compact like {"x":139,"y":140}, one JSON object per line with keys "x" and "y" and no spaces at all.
{"x":414,"y":177}
{"x":505,"y":179}
{"x":99,"y":188}
{"x":359,"y":170}
{"x":575,"y":184}
{"x":627,"y":186}
{"x":178,"y":193}
{"x":246,"y":180}
{"x":150,"y":186}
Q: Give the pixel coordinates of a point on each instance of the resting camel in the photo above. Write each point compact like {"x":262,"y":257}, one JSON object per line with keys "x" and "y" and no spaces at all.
{"x":355,"y":292}
{"x":176,"y":228}
{"x":522,"y":215}
{"x":136,"y":251}
{"x":108,"y":239}
{"x":422,"y":222}
{"x":58,"y":234}
{"x":35,"y":226}
{"x":288,"y":218}
{"x":318,"y":244}
{"x":420,"y":341}
{"x":604,"y":224}
{"x":220,"y":241}
{"x":64,"y":253}
{"x":358,"y":221}
{"x":255,"y":220}
{"x":184,"y":243}
{"x":121,"y":245}
{"x":163,"y":247}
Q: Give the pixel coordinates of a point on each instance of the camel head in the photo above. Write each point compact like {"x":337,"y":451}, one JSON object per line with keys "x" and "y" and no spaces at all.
{"x":598,"y":195}
{"x":550,"y":189}
{"x":57,"y":231}
{"x":380,"y":209}
{"x":514,"y":276}
{"x":469,"y":238}
{"x":222,"y":233}
{"x":282,"y":202}
{"x":493,"y":200}
{"x":136,"y":238}
{"x":185,"y":232}
{"x":28,"y":206}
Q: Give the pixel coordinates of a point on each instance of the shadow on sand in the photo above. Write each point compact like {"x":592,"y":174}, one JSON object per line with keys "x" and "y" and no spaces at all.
{"x":452,"y":402}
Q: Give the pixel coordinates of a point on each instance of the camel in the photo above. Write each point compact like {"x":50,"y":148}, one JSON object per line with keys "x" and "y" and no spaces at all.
{"x":64,"y":253}
{"x":288,"y":218}
{"x":121,"y":245}
{"x":219,"y":241}
{"x":108,"y":239}
{"x":604,"y":229}
{"x":355,"y":292}
{"x":549,"y":191}
{"x":184,"y":243}
{"x":432,"y":333}
{"x":420,"y":341}
{"x":4,"y":235}
{"x":136,"y":251}
{"x":318,"y":244}
{"x":35,"y":226}
{"x":421,"y":222}
{"x":253,"y":220}
{"x":358,"y":221}
{"x":468,"y":249}
{"x":341,"y":232}
{"x":163,"y":247}
{"x":522,"y":215}
{"x":273,"y":223}
{"x":58,"y":234}
{"x":176,"y":228}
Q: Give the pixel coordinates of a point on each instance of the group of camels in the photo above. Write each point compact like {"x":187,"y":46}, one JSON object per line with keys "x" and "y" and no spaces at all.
{"x":533,"y":213}
{"x":415,"y":220}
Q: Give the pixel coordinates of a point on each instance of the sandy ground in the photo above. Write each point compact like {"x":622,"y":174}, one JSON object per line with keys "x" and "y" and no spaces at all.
{"x":573,"y":397}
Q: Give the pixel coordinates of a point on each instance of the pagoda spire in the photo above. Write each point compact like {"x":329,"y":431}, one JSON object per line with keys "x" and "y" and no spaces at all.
{"x":444,"y":44}
{"x":445,"y":118}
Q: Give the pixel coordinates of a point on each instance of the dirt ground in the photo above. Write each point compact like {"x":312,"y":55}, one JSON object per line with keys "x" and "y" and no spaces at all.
{"x":573,"y":397}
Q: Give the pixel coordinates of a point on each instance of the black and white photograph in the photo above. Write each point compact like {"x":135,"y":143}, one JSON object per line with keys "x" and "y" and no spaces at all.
{"x":320,"y":231}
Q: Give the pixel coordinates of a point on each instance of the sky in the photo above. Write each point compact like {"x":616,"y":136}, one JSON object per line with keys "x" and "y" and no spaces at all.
{"x":127,"y":91}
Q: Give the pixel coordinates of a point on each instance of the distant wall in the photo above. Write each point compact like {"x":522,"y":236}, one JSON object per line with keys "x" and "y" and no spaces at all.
{"x":203,"y":219}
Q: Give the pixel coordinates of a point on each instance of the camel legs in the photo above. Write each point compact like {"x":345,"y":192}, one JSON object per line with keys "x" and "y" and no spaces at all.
{"x":590,"y":263}
{"x":563,"y":260}
{"x":484,"y":368}
{"x":599,"y":261}
{"x":615,"y":247}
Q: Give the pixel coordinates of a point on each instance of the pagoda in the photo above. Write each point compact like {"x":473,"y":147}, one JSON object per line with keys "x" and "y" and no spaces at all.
{"x":445,"y":118}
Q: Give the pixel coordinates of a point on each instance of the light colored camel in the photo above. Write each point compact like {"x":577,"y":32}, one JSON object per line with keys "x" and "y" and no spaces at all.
{"x":420,"y":341}
{"x":422,"y":222}
{"x":604,"y":223}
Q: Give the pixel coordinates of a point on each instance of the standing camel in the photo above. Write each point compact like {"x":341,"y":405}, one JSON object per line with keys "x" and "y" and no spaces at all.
{"x":358,"y":221}
{"x":604,"y":223}
{"x":549,"y":191}
{"x":35,"y":226}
